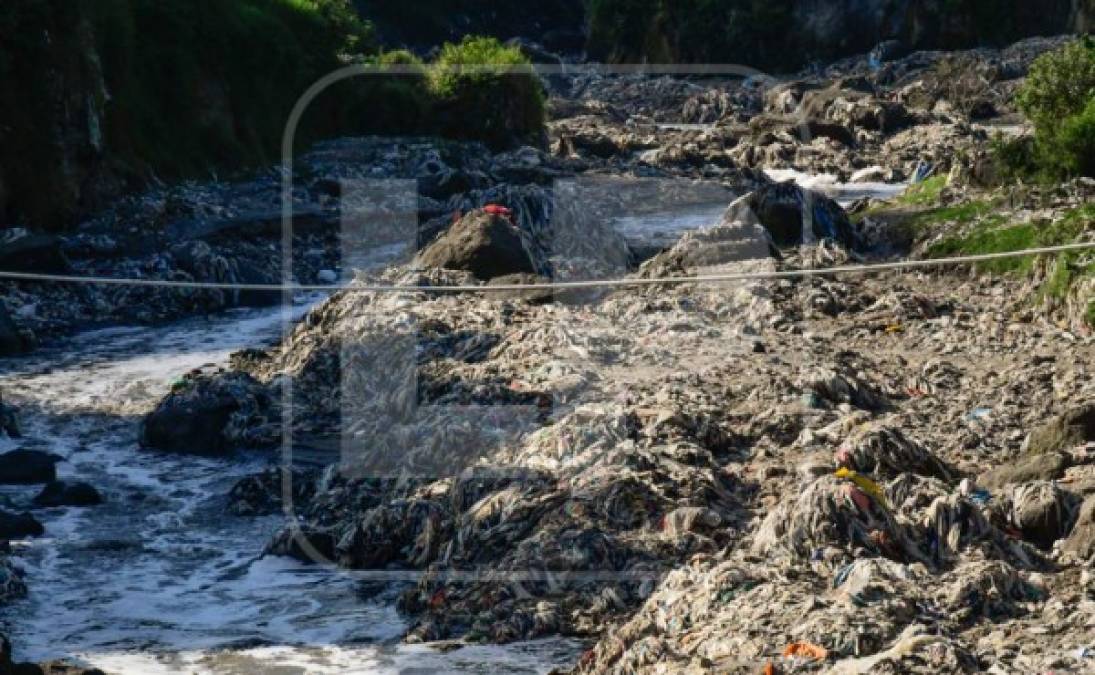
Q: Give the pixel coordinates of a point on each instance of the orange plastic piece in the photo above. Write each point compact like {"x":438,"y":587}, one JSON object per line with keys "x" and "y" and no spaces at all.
{"x":806,"y":650}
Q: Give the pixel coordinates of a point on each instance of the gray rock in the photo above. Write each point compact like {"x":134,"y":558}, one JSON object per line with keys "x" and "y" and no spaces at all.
{"x":486,"y":245}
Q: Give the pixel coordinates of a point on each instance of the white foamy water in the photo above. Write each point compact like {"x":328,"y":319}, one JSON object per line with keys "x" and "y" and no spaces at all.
{"x":840,"y":192}
{"x":159,"y":579}
{"x":663,"y":229}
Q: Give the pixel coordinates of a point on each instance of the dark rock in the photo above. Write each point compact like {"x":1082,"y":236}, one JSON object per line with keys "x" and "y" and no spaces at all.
{"x":1074,"y":427}
{"x":486,"y":245}
{"x":782,"y":209}
{"x":831,"y":130}
{"x":886,"y":117}
{"x":1026,"y":469}
{"x":19,"y":526}
{"x":27,"y":467}
{"x":60,"y":493}
{"x":33,"y":253}
{"x":5,"y":655}
{"x":195,"y":418}
{"x":308,"y":545}
{"x":261,"y":494}
{"x":12,"y":586}
{"x":982,"y":109}
{"x":12,"y":341}
{"x":1081,"y":542}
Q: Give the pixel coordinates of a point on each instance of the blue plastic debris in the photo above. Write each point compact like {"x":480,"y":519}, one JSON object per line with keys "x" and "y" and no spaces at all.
{"x":924,"y":171}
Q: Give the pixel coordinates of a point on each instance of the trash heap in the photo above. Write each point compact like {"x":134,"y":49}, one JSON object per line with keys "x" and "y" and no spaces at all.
{"x":852,"y":474}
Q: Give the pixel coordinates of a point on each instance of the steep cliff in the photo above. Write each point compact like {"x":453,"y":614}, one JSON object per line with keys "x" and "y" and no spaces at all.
{"x":101,"y":95}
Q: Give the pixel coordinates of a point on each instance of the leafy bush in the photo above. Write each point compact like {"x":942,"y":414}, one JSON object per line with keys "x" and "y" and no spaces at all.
{"x":1059,"y":100}
{"x":1073,"y":146}
{"x":398,"y":103}
{"x":475,"y":102}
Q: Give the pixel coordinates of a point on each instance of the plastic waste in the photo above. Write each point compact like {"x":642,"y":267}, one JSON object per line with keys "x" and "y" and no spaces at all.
{"x":924,"y":171}
{"x":498,"y":210}
{"x":865,"y":484}
{"x":807,"y":650}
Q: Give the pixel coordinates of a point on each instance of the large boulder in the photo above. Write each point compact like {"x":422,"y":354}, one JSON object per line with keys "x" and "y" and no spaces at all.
{"x":27,"y":467}
{"x":205,"y":415}
{"x":1068,"y":430}
{"x":19,"y":526}
{"x":60,"y":493}
{"x":794,"y":215}
{"x":485,"y":244}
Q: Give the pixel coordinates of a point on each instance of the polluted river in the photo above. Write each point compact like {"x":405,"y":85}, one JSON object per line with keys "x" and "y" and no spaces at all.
{"x":159,"y":579}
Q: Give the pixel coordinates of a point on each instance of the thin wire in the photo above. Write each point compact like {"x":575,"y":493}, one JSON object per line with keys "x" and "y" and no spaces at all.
{"x":561,"y":285}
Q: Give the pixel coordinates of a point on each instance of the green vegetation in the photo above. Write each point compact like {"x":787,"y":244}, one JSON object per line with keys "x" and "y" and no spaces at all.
{"x":495,"y":107}
{"x":212,"y":85}
{"x":992,"y":236}
{"x":924,"y":192}
{"x":100,"y":95}
{"x":1059,"y":100}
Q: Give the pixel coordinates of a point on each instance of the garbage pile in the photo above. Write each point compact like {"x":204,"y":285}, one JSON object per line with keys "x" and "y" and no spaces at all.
{"x":717,"y":478}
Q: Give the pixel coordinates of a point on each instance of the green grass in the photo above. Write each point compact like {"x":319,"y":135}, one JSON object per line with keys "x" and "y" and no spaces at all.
{"x":991,"y":236}
{"x":500,"y":109}
{"x":923,"y":193}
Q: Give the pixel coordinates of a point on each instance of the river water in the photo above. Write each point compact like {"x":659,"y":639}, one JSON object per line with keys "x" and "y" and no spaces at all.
{"x":159,"y":579}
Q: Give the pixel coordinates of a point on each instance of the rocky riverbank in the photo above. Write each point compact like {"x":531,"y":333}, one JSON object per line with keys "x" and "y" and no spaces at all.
{"x":888,"y":472}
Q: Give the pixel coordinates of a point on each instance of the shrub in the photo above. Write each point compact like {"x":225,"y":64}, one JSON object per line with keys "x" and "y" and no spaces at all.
{"x":1015,"y":156}
{"x":1072,"y":147}
{"x":398,"y":103}
{"x":1060,"y":84}
{"x":1059,"y":100}
{"x":472,"y":102}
